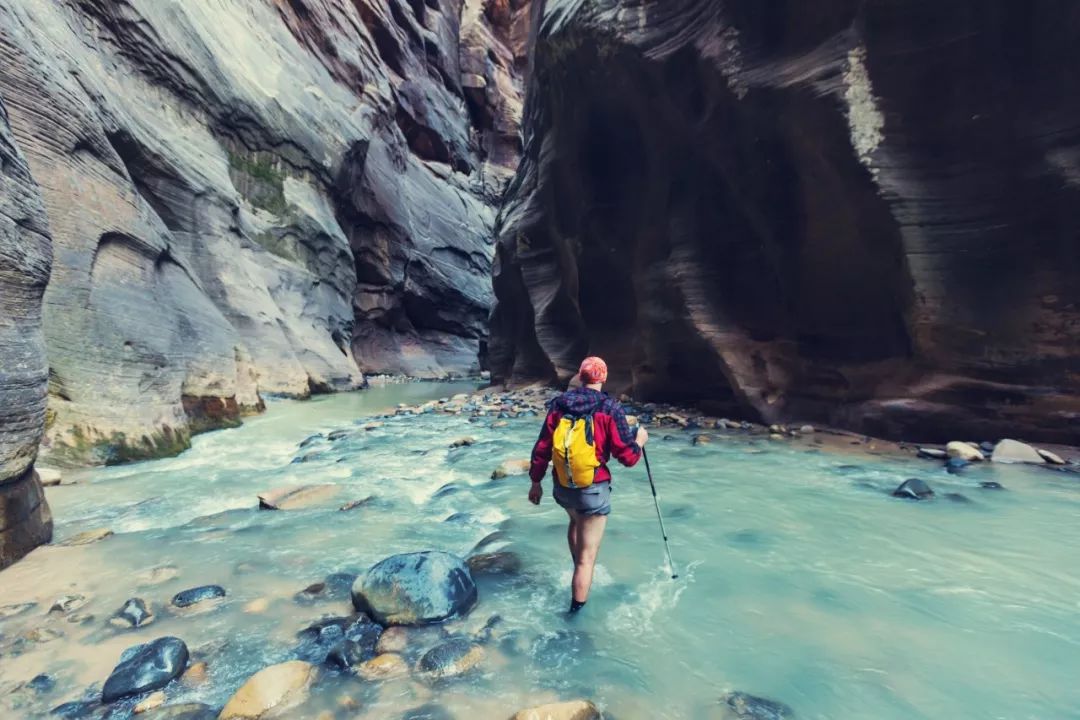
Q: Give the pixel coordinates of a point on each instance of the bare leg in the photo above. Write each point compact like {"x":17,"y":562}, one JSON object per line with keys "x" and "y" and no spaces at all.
{"x":572,"y":535}
{"x":590,"y":529}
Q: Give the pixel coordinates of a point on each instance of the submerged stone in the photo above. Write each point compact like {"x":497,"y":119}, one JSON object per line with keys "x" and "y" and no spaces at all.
{"x":991,"y":485}
{"x":958,"y":498}
{"x":572,"y":710}
{"x":297,"y":497}
{"x":430,"y":711}
{"x":913,"y":489}
{"x":451,"y":658}
{"x":146,"y":667}
{"x":271,"y":692}
{"x":383,"y":667}
{"x":196,"y":595}
{"x":357,"y":644}
{"x":184,"y":711}
{"x":504,"y":562}
{"x":134,"y":614}
{"x":750,"y":707}
{"x":955,"y":466}
{"x":416,"y":589}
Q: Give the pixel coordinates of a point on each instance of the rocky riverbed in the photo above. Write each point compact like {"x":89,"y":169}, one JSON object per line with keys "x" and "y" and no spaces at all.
{"x":274,"y":569}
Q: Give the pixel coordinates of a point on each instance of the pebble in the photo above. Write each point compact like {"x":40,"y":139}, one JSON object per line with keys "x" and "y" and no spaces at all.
{"x":393,"y":640}
{"x":1050,"y":457}
{"x":257,"y":606}
{"x":158,"y":575}
{"x":154,"y":700}
{"x":67,"y":604}
{"x":7,"y":611}
{"x":572,"y":710}
{"x":196,"y":674}
{"x":134,"y":614}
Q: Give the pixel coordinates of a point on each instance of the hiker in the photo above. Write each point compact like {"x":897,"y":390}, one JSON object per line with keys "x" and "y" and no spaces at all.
{"x":583,"y":429}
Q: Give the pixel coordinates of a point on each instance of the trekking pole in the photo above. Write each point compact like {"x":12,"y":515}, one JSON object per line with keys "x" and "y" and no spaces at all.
{"x":656,"y":501}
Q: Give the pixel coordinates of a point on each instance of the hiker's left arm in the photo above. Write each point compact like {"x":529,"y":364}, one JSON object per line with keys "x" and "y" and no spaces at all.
{"x":623,"y":443}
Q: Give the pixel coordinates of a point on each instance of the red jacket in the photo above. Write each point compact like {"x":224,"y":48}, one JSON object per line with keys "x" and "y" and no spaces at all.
{"x":611,"y":432}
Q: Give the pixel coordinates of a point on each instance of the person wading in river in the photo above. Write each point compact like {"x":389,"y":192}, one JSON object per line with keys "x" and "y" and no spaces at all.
{"x":583,"y":430}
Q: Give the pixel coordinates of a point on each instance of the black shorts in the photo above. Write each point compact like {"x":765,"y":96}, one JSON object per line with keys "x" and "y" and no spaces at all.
{"x":593,"y":500}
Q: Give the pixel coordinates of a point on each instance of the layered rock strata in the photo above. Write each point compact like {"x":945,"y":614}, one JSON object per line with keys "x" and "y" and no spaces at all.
{"x":255,"y":197}
{"x":25,"y":258}
{"x":858,"y":213}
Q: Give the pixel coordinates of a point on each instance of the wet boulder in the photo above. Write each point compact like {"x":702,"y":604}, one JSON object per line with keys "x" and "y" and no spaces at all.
{"x":963,"y":451}
{"x":416,"y":589}
{"x":913,"y":489}
{"x":510,"y":468}
{"x":357,"y":644}
{"x":1014,"y":451}
{"x":991,"y":485}
{"x":194,"y":596}
{"x":450,"y":659}
{"x":133,"y":614}
{"x":573,"y":710}
{"x":741,"y":706}
{"x":298,"y":497}
{"x":147,"y":667}
{"x":271,"y":692}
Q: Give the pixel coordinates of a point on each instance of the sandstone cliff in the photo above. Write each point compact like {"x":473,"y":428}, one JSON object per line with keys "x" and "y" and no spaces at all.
{"x":24,"y":269}
{"x":862,"y":213}
{"x":256,"y":196}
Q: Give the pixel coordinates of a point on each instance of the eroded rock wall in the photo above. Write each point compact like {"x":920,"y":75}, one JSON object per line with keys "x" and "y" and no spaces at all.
{"x":252,"y":197}
{"x":860,"y":213}
{"x":25,"y":257}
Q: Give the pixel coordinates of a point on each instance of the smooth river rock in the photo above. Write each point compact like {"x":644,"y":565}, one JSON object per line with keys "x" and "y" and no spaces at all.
{"x":964,"y":451}
{"x":451,"y":658}
{"x":146,"y":667}
{"x":1014,"y":451}
{"x":913,"y":489}
{"x":271,"y":692}
{"x":299,"y":497}
{"x":194,"y":596}
{"x":416,"y":589}
{"x":572,"y":710}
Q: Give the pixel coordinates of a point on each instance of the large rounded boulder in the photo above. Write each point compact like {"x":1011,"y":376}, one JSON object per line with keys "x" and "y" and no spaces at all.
{"x":416,"y":589}
{"x":146,"y":667}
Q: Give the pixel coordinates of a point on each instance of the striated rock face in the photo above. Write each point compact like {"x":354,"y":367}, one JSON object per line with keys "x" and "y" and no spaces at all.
{"x":862,"y":213}
{"x":260,"y":196}
{"x":25,"y":257}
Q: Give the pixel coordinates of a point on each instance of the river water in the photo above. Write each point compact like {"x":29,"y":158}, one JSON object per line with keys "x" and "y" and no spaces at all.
{"x":801,"y":580}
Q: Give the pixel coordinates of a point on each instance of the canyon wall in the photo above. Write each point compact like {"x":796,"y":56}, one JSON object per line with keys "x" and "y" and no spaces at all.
{"x":861,"y":213}
{"x":25,"y":257}
{"x":256,"y":197}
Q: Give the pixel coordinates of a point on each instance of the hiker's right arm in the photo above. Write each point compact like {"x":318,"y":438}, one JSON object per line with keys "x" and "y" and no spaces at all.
{"x":541,"y":454}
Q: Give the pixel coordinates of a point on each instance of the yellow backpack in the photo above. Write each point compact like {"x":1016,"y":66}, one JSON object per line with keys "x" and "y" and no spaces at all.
{"x":574,"y":451}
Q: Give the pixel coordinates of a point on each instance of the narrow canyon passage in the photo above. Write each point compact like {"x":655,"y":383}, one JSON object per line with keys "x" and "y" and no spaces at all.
{"x":963,"y":607}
